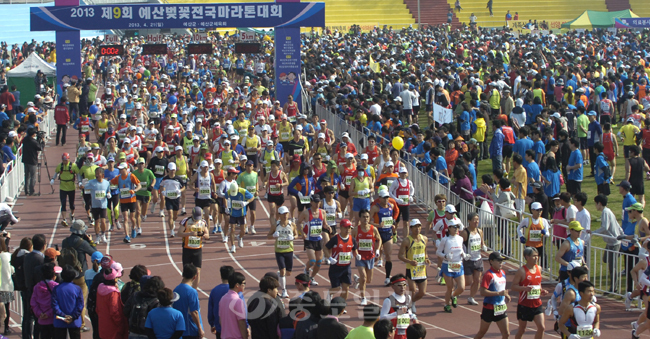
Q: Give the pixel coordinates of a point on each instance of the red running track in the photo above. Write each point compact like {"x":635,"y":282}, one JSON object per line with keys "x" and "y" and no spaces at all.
{"x":162,"y":256}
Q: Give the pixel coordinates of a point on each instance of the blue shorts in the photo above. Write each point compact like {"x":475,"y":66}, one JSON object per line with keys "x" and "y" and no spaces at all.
{"x":359,"y":204}
{"x":369,"y":264}
{"x":340,"y":275}
{"x":385,"y":236}
{"x":445,"y":271}
{"x":157,"y":184}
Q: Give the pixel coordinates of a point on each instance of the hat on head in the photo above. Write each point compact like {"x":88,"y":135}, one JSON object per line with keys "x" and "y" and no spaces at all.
{"x":115,"y":271}
{"x":233,"y":170}
{"x":283,"y":210}
{"x":384,"y":193}
{"x":389,"y":164}
{"x":637,"y":206}
{"x":415,"y":222}
{"x":625,"y":184}
{"x":364,"y":156}
{"x":96,"y":257}
{"x":51,"y":253}
{"x":78,"y":227}
{"x":450,"y":209}
{"x":575,"y":226}
{"x":536,"y":206}
{"x":403,"y":170}
{"x":159,"y":149}
{"x":122,"y":166}
{"x":496,"y":255}
{"x":171,"y":166}
{"x":592,"y":113}
{"x":349,"y":156}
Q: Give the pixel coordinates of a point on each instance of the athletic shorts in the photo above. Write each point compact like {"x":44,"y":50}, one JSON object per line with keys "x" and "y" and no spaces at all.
{"x":637,"y":189}
{"x":143,"y":199}
{"x":344,"y":194}
{"x":385,"y":236}
{"x":203,"y":203}
{"x":471,"y":266}
{"x":237,"y":220}
{"x":340,"y":275}
{"x":222,"y":208}
{"x":253,"y":158}
{"x":313,"y":245}
{"x":407,"y":112}
{"x":604,"y":189}
{"x":114,"y":201}
{"x":488,"y":316}
{"x":507,"y":151}
{"x":369,"y":264}
{"x":403,"y":213}
{"x":525,"y":313}
{"x":428,"y":108}
{"x":278,"y":200}
{"x":331,"y":231}
{"x":445,"y":271}
{"x":626,"y":151}
{"x":173,"y":204}
{"x":574,"y":187}
{"x":143,"y":154}
{"x":87,"y":201}
{"x":583,"y":143}
{"x":609,"y":156}
{"x":252,"y":206}
{"x":157,"y":184}
{"x":98,"y":213}
{"x":192,"y":256}
{"x":359,"y":204}
{"x":301,"y":207}
{"x":127,"y":207}
{"x":417,"y":281}
{"x":240,"y":71}
{"x":284,"y":260}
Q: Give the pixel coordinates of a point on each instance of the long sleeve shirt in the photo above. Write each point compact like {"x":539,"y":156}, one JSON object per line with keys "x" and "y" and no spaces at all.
{"x":610,"y":227}
{"x":496,"y":146}
{"x":5,"y":210}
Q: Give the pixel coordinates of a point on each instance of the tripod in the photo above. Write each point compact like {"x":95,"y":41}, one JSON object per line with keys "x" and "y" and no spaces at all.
{"x":43,"y":159}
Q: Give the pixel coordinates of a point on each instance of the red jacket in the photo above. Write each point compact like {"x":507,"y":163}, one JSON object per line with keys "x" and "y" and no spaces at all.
{"x":110,"y":313}
{"x":8,"y":99}
{"x":61,"y":115}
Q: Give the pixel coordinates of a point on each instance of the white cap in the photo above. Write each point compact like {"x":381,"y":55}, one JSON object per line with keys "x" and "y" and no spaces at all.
{"x":536,"y":206}
{"x":122,"y":116}
{"x":226,"y":142}
{"x":283,"y":210}
{"x":345,"y":135}
{"x":132,"y":128}
{"x":298,"y":128}
{"x":364,"y":156}
{"x":384,"y":193}
{"x":138,"y":105}
{"x":415,"y":222}
{"x":205,"y":163}
{"x":269,"y":143}
{"x":349,"y":156}
{"x":450,"y":209}
{"x":389,"y":163}
{"x":196,"y":137}
{"x":32,"y":110}
{"x":170,"y":127}
{"x":171,"y":166}
{"x":13,"y":134}
{"x":178,"y":148}
{"x":126,"y":140}
{"x":243,"y":157}
{"x":321,"y":135}
{"x":403,"y":170}
{"x":122,"y":166}
{"x":199,"y":120}
{"x":159,"y":149}
{"x":218,"y":161}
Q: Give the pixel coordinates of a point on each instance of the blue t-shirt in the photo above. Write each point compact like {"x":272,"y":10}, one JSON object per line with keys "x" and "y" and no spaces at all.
{"x":628,"y":226}
{"x":109,"y":175}
{"x":166,"y":320}
{"x":554,"y":187}
{"x":7,"y":154}
{"x":441,"y":164}
{"x":99,"y":189}
{"x":539,"y":147}
{"x":213,"y":304}
{"x":521,"y":146}
{"x":532,"y":169}
{"x":574,"y":159}
{"x":188,"y":303}
{"x":464,"y":121}
{"x":239,"y":197}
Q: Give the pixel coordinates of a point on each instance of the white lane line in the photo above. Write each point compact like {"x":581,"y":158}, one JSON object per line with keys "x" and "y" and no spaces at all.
{"x":171,"y":259}
{"x":204,"y":260}
{"x":58,"y":217}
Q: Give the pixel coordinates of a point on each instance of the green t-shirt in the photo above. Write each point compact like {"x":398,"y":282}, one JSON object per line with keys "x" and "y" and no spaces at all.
{"x":88,"y":172}
{"x":147,"y":179}
{"x":248,"y":181}
{"x":361,"y":332}
{"x":584,"y":122}
{"x":67,"y":175}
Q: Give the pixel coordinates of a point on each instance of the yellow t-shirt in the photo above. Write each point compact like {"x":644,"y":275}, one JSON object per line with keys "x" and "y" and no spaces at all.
{"x":629,"y":132}
{"x":520,"y":177}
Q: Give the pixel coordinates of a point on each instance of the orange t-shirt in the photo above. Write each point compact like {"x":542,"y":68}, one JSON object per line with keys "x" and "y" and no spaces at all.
{"x":134,"y":183}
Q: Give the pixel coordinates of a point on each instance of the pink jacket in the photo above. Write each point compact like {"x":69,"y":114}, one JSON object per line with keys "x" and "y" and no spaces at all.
{"x":110,"y":312}
{"x":42,"y":302}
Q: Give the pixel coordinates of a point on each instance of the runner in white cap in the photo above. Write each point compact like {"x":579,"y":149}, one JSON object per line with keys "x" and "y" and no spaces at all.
{"x":171,"y":188}
{"x":402,"y":191}
{"x":284,"y":232}
{"x":413,"y":251}
{"x":205,"y":186}
{"x":158,"y":165}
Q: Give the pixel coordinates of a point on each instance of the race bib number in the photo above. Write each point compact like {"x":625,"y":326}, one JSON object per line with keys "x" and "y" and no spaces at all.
{"x":419,"y":272}
{"x":454,"y":267}
{"x":419,"y":258}
{"x":193,"y":242}
{"x":388,"y":222}
{"x":345,"y":257}
{"x":85,"y":128}
{"x":297,"y":151}
{"x":88,"y":191}
{"x":204,"y":191}
{"x":143,"y":185}
{"x":403,"y":321}
{"x":242,"y":131}
{"x":348,"y":181}
{"x":330,"y":218}
{"x":535,"y":236}
{"x":237,"y":204}
{"x":99,"y":195}
{"x":160,"y":170}
{"x":285,"y":135}
{"x":365,"y":245}
{"x":171,"y":194}
{"x":315,"y":231}
{"x":125,"y":193}
{"x":475,"y":247}
{"x":500,"y":309}
{"x":535,"y":292}
{"x":267,"y":169}
{"x":305,"y":200}
{"x":103,"y":130}
{"x":275,"y":189}
{"x":389,"y":183}
{"x":284,"y":244}
{"x":251,"y":189}
{"x":292,"y":119}
{"x":404,"y":199}
{"x":585,"y":331}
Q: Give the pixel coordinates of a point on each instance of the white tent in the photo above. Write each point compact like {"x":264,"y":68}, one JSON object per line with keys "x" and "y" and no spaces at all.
{"x":30,"y":66}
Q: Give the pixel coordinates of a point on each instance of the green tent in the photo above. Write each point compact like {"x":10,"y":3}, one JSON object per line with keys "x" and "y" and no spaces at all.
{"x":596,"y":19}
{"x":23,"y":76}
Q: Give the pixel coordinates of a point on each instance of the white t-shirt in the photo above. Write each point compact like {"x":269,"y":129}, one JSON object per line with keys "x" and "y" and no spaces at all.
{"x":571,"y":212}
{"x":585,"y":220}
{"x":375,"y":109}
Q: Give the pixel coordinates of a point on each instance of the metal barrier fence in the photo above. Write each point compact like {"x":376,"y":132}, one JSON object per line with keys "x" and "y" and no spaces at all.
{"x":500,"y":233}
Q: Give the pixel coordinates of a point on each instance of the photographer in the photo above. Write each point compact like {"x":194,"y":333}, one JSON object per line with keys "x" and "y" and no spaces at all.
{"x":6,"y":217}
{"x":31,"y":147}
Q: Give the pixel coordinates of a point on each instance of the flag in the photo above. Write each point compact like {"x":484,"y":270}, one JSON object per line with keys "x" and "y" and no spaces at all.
{"x":373,"y":65}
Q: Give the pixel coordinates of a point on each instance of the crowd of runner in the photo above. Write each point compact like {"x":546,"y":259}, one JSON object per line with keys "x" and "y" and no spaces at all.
{"x":156,"y":132}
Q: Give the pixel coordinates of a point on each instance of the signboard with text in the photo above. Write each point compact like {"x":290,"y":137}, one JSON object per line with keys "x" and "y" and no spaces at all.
{"x":111,"y":39}
{"x":632,"y":22}
{"x":287,"y":63}
{"x":246,"y":36}
{"x":156,"y":16}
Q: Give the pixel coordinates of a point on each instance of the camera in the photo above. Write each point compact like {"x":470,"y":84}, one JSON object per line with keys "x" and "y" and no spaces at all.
{"x":40,"y":137}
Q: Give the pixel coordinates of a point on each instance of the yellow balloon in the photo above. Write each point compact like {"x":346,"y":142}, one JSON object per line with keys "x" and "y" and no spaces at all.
{"x":398,"y":143}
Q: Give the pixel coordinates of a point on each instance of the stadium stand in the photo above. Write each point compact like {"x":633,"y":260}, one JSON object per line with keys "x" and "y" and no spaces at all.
{"x":640,"y":8}
{"x":433,"y":12}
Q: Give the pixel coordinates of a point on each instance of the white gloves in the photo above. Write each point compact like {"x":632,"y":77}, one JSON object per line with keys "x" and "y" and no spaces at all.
{"x":231,"y":161}
{"x":596,"y":332}
{"x":264,"y":162}
{"x":437,"y":243}
{"x":276,"y":234}
{"x":227,"y":210}
{"x":339,"y":215}
{"x":448,"y":256}
{"x":108,"y":195}
{"x":484,"y":248}
{"x":377,"y":253}
{"x":290,"y":237}
{"x":410,"y":199}
{"x":245,"y":203}
{"x":300,"y":195}
{"x":574,"y":336}
{"x":358,"y":256}
{"x":51,"y":182}
{"x":332,"y":261}
{"x":311,"y":192}
{"x":467,"y":257}
{"x":178,"y":192}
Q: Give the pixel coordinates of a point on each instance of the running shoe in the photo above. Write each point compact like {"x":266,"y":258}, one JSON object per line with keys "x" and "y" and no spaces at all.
{"x":233,"y":249}
{"x":253,"y":232}
{"x":635,"y":325}
{"x":64,"y":223}
{"x":144,"y":217}
{"x":447,"y":308}
{"x":471,"y":301}
{"x":183,"y":211}
{"x":98,"y":239}
{"x":162,"y":213}
{"x":313,"y":282}
{"x":139,"y":231}
{"x":210,"y":217}
{"x":363,"y":302}
{"x":387,"y":282}
{"x":72,"y":217}
{"x":127,"y":240}
{"x":172,"y":233}
{"x":134,"y":234}
{"x":246,"y":230}
{"x":241,"y":243}
{"x":380,"y":263}
{"x":110,"y":227}
{"x":225,"y":239}
{"x":214,"y":230}
{"x":219,"y":230}
{"x":285,"y":294}
{"x":634,"y":336}
{"x":454,"y":302}
{"x":119,"y":226}
{"x":442,"y":281}
{"x":104,"y":238}
{"x":628,"y":300}
{"x":153,"y":208}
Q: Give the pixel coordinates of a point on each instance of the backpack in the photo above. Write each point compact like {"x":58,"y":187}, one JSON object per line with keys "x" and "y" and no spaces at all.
{"x":69,"y":257}
{"x":139,"y":311}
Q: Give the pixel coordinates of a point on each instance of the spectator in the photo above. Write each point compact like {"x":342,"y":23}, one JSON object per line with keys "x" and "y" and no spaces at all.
{"x":61,"y":117}
{"x":110,"y":310}
{"x":520,"y":182}
{"x":370,"y":317}
{"x":7,"y":98}
{"x":496,"y":146}
{"x":99,"y":279}
{"x":312,"y":304}
{"x":462,"y":184}
{"x":416,"y":331}
{"x":610,"y":228}
{"x":90,"y":273}
{"x":188,"y":304}
{"x":232,"y":309}
{"x":574,"y":168}
{"x":215,"y":297}
{"x":263,"y":312}
{"x":165,"y":321}
{"x":133,"y":286}
{"x":67,"y":302}
{"x":7,"y":151}
{"x":17,"y":261}
{"x":6,"y":281}
{"x":383,"y":329}
{"x":42,"y":301}
{"x":16,"y":104}
{"x":330,"y":327}
{"x":138,"y":306}
{"x":32,"y":260}
{"x":30,"y":158}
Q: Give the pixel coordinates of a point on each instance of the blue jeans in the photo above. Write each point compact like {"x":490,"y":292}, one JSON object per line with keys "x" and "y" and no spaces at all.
{"x":497,"y":162}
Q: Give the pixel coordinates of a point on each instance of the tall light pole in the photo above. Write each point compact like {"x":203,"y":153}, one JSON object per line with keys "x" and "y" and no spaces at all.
{"x":419,"y":22}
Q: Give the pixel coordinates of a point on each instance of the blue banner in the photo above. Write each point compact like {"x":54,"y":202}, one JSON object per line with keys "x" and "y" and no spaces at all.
{"x":68,"y":58}
{"x":157,"y":16}
{"x":632,"y":22}
{"x":287,"y":65}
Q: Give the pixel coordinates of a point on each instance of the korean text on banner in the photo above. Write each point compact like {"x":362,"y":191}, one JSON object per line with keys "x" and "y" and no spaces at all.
{"x":287,"y":64}
{"x":442,"y":115}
